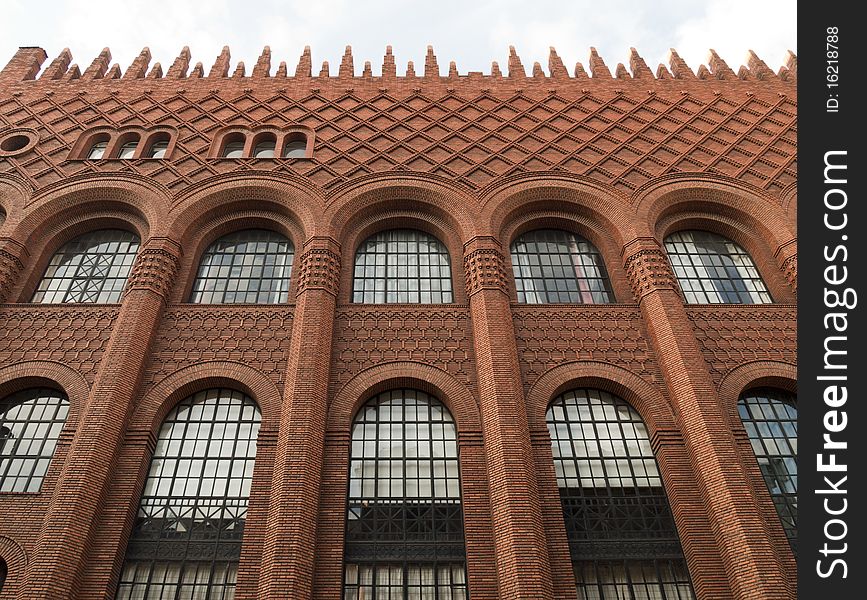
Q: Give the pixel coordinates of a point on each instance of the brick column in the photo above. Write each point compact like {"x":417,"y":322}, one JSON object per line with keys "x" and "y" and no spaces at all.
{"x":290,"y":542}
{"x":12,"y":257}
{"x":751,"y":564}
{"x":787,"y":258}
{"x":523,"y":570}
{"x":58,"y":557}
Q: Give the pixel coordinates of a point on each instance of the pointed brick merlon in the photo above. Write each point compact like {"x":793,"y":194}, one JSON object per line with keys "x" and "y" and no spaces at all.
{"x":99,"y":66}
{"x":639,"y":68}
{"x":597,"y":65}
{"x":58,"y":66}
{"x":178,"y":70}
{"x":221,"y":65}
{"x":156,"y":71}
{"x":718,"y":67}
{"x":556,"y":66}
{"x":262,"y":68}
{"x":516,"y":69}
{"x":679,"y":68}
{"x":789,"y":72}
{"x":305,"y":64}
{"x":283,"y":70}
{"x":431,"y":68}
{"x":24,"y":65}
{"x":389,"y":68}
{"x":347,"y":68}
{"x":758,"y":67}
{"x":367,"y":71}
{"x":139,"y":67}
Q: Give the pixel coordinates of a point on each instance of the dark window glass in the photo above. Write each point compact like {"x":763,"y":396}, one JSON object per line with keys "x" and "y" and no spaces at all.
{"x":402,"y":266}
{"x":234,"y":149}
{"x":553,"y":266}
{"x":251,"y":266}
{"x":92,"y":268}
{"x":265,"y":149}
{"x":186,"y":541}
{"x":771,"y":420}
{"x":621,"y":531}
{"x":30,"y":425}
{"x":404,"y":529}
{"x":714,"y":270}
{"x":295,"y":149}
{"x":97,"y":150}
{"x":158,"y":149}
{"x":3,"y":573}
{"x":128,"y":149}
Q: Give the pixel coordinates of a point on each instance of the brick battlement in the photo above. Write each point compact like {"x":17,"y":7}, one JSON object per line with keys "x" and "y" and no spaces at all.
{"x":27,"y":65}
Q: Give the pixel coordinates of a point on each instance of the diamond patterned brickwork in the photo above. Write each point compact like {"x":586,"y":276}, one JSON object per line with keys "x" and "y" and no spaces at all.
{"x":369,"y":335}
{"x":75,"y":336}
{"x":253,"y":335}
{"x":554,"y":335}
{"x":735,"y":335}
{"x":622,"y":137}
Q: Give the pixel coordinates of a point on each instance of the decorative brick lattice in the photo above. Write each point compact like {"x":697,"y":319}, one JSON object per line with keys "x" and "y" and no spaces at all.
{"x":253,"y":335}
{"x":551,"y":336}
{"x":734,"y":335}
{"x":484,"y":270}
{"x":622,"y":139}
{"x":74,"y":336}
{"x":369,"y":335}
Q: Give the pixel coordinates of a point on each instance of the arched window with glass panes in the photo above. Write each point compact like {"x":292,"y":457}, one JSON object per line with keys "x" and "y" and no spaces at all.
{"x":770,"y":417}
{"x":621,"y":532}
{"x":30,"y":424}
{"x":555,"y":266}
{"x":402,"y":266}
{"x":251,"y":266}
{"x":404,"y":523}
{"x":186,"y":541}
{"x":92,"y":268}
{"x":712,"y":269}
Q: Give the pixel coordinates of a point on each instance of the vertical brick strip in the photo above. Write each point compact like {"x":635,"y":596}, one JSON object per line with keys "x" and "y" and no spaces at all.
{"x":12,"y":256}
{"x":753,"y":568}
{"x":519,"y":538}
{"x":58,"y":557}
{"x":290,"y":542}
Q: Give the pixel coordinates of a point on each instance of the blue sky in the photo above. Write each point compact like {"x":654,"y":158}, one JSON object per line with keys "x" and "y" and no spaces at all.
{"x":470,"y":33}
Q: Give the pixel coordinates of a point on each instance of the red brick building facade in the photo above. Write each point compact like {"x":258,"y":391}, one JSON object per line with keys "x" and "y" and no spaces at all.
{"x":466,"y":166}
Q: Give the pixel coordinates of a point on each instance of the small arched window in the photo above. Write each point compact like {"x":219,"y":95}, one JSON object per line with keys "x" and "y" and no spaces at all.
{"x":404,"y":528}
{"x":30,"y":425}
{"x":265,"y":146}
{"x":127,"y":149}
{"x":233,"y":145}
{"x":620,"y":528}
{"x":296,"y":148}
{"x":159,"y":145}
{"x":98,"y":148}
{"x":771,"y":420}
{"x":186,"y":542}
{"x":554,"y":266}
{"x":402,"y":266}
{"x":92,"y":268}
{"x":712,"y":269}
{"x":250,"y":266}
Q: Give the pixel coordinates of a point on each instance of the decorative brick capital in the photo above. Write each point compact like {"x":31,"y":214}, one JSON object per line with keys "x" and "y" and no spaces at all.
{"x":484,"y":270}
{"x":320,"y":270}
{"x":647,"y":268}
{"x":787,"y":256}
{"x":154,"y":270}
{"x":10,"y":267}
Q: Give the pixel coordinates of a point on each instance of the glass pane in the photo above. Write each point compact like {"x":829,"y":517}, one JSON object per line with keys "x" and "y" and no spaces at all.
{"x":295,"y":149}
{"x":127,"y":150}
{"x":234,"y":150}
{"x":158,"y":149}
{"x":264,"y":149}
{"x":97,"y":150}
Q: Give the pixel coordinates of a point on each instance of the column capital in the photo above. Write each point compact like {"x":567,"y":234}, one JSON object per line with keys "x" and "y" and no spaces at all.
{"x":12,"y":254}
{"x":787,"y":257}
{"x":319,"y":269}
{"x":484,"y":266}
{"x":155,"y":267}
{"x":647,"y":267}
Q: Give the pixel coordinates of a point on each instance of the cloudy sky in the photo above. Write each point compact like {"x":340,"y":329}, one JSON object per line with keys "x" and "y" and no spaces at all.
{"x":470,"y":33}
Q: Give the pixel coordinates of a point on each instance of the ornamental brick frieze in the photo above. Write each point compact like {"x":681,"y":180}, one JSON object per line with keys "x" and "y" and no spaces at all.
{"x":484,"y":269}
{"x":647,"y":269}
{"x":154,"y":270}
{"x":319,"y":269}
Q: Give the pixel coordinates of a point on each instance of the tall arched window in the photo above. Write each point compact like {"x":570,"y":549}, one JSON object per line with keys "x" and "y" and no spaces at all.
{"x":92,"y":268}
{"x":621,"y":532}
{"x":30,"y":425}
{"x":714,"y":270}
{"x":771,"y":420}
{"x":187,"y":536}
{"x":404,"y":529}
{"x":402,"y":266}
{"x":251,"y":266}
{"x":554,"y":266}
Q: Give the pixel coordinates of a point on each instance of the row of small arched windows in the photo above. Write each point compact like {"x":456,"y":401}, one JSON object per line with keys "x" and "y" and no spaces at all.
{"x":402,"y":266}
{"x":404,"y":521}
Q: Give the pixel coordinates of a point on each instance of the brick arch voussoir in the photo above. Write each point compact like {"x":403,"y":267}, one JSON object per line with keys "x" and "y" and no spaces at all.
{"x":47,"y":373}
{"x":760,"y":373}
{"x":640,"y":394}
{"x":162,"y":397}
{"x":16,"y":561}
{"x":404,"y":374}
